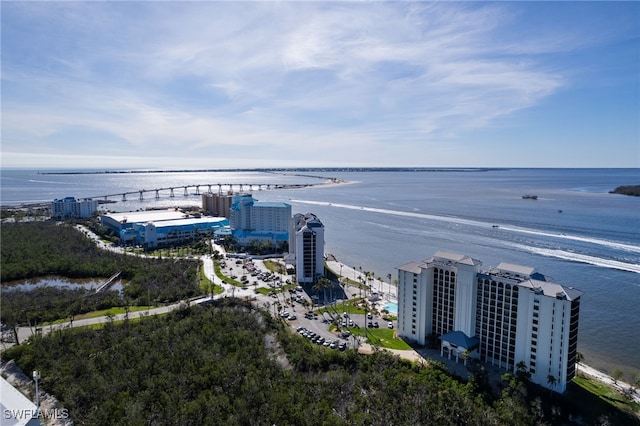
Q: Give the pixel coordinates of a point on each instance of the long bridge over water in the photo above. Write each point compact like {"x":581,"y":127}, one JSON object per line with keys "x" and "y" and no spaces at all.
{"x":207,"y":188}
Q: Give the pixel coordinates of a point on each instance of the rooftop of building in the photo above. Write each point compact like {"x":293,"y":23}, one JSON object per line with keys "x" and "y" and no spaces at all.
{"x":516,"y":273}
{"x":147,"y":216}
{"x":460,"y":339}
{"x":552,"y":289}
{"x":13,"y":402}
{"x":303,"y":222}
{"x":444,"y":256}
{"x":270,"y":204}
{"x":523,"y":276}
{"x":441,"y":257}
{"x":211,"y":220}
{"x":413,"y":267}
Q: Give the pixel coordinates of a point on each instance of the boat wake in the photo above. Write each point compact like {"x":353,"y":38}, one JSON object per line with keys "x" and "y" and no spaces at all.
{"x":581,"y":258}
{"x":556,"y":253}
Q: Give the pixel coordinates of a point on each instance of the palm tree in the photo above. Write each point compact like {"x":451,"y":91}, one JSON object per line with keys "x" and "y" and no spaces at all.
{"x":322,"y":283}
{"x":522,"y":372}
{"x":552,"y":383}
{"x":466,"y":354}
{"x":369,"y":277}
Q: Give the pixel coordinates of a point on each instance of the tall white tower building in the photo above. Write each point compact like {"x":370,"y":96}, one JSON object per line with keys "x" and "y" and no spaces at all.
{"x":306,"y":243}
{"x":515,"y":316}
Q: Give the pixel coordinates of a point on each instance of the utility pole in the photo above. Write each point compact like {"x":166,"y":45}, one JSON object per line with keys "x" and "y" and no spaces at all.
{"x":36,"y":377}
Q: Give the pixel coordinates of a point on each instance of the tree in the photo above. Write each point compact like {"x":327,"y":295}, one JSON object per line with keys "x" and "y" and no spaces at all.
{"x":522,"y":371}
{"x":466,"y":354}
{"x":552,"y":381}
{"x":322,"y":283}
{"x":616,"y":375}
{"x":635,"y":380}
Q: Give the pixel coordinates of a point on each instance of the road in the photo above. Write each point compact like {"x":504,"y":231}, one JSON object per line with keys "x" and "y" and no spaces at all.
{"x":314,"y":324}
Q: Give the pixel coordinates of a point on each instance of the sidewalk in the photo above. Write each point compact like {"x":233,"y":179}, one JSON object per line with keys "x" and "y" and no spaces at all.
{"x":384,"y":288}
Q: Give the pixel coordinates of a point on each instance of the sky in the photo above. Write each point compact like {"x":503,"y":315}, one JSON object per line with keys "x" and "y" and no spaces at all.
{"x":168,"y":84}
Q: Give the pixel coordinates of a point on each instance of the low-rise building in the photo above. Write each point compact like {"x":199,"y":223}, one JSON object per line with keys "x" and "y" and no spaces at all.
{"x":161,"y":228}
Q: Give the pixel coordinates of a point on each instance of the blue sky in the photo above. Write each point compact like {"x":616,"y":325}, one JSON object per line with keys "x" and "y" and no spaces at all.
{"x":286,"y":84}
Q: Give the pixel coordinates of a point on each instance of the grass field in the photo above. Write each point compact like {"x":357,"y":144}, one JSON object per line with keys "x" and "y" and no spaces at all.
{"x":382,"y":337}
{"x":595,"y":398}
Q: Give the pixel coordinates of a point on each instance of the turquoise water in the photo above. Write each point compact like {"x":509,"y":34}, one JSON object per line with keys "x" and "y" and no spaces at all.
{"x":391,"y":307}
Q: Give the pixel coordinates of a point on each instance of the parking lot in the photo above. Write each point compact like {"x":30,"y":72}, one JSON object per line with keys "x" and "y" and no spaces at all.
{"x":301,"y":305}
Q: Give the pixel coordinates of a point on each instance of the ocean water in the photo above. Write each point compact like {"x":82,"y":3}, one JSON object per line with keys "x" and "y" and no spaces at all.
{"x":575,"y":232}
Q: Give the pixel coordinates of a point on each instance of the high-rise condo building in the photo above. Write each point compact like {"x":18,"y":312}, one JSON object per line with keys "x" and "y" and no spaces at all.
{"x":70,"y":207}
{"x":511,"y":316}
{"x":252,"y":220}
{"x":306,"y":244}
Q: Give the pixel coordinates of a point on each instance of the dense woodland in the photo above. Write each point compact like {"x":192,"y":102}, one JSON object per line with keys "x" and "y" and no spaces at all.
{"x":43,"y":248}
{"x":627,"y":190}
{"x":230,"y":364}
{"x":227,"y":365}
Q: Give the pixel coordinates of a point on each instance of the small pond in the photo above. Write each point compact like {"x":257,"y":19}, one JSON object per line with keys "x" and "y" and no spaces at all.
{"x":87,"y":283}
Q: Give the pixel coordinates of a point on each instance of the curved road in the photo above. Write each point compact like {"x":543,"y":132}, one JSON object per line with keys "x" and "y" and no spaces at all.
{"x":262,"y":300}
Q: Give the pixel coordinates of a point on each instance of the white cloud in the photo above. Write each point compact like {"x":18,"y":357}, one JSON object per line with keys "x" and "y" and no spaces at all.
{"x":285,"y":75}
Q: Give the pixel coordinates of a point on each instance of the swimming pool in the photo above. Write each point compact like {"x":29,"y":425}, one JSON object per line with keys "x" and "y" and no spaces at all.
{"x":391,"y":307}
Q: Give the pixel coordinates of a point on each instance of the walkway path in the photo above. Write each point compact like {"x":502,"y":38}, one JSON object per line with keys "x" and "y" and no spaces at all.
{"x":423,"y":355}
{"x":602,"y":377}
{"x":386,"y":289}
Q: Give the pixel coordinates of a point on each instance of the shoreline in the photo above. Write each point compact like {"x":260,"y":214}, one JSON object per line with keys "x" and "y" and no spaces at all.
{"x":343,"y":271}
{"x":415,"y":355}
{"x":102,"y":199}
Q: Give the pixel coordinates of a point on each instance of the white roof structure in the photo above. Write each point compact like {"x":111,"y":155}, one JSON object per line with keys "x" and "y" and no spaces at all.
{"x":147,"y":216}
{"x":16,"y":408}
{"x":525,"y":271}
{"x":189,"y":221}
{"x":552,"y":289}
{"x":413,"y":267}
{"x":458,"y":258}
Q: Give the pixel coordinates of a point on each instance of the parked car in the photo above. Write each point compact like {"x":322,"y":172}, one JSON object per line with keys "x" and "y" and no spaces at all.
{"x":390,"y":325}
